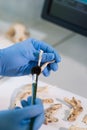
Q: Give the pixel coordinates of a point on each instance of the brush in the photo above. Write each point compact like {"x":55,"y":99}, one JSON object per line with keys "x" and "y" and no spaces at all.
{"x":35,"y":73}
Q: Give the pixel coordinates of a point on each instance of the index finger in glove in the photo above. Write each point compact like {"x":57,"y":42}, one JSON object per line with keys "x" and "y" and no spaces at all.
{"x":46,"y":48}
{"x":37,"y":101}
{"x":46,"y":57}
{"x":25,"y":103}
{"x":42,"y":45}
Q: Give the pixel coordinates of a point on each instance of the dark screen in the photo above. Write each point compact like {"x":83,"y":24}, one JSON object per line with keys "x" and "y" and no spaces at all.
{"x":73,"y":11}
{"x":70,"y":14}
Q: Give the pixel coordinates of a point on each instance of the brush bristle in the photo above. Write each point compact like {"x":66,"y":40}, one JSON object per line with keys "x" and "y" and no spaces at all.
{"x":36,"y":70}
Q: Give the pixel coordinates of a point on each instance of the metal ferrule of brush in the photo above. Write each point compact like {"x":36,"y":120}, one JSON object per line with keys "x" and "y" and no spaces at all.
{"x":34,"y":78}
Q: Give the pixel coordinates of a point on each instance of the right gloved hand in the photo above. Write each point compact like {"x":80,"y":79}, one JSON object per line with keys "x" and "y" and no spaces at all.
{"x":19,"y":119}
{"x":19,"y":59}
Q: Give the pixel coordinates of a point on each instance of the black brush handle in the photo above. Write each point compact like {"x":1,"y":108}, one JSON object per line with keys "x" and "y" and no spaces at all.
{"x":34,"y":92}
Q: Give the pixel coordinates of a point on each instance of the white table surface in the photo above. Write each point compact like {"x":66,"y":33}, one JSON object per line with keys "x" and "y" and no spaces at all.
{"x":9,"y":85}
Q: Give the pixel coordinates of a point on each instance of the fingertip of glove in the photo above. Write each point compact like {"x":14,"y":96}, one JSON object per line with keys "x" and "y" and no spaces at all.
{"x":47,"y":57}
{"x":54,"y":66}
{"x":17,"y":107}
{"x":46,"y":73}
{"x":58,"y":58}
{"x":29,"y":99}
{"x":38,"y":101}
{"x":24,"y":103}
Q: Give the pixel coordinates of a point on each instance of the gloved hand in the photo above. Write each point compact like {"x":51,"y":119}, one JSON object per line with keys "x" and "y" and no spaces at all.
{"x":18,"y":60}
{"x":19,"y":119}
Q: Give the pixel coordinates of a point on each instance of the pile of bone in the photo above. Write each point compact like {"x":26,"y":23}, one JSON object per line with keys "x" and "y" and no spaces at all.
{"x":49,"y":113}
{"x":76,"y":128}
{"x":76,"y":108}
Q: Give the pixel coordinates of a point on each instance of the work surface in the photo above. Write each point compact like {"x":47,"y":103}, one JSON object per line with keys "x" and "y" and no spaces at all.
{"x":9,"y":85}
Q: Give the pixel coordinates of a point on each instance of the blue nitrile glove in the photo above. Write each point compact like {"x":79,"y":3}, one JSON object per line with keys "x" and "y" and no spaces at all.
{"x":40,"y":118}
{"x":19,"y":119}
{"x":19,"y":59}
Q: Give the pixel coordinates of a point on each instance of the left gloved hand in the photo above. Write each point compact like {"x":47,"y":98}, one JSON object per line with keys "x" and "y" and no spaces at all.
{"x":19,"y":119}
{"x":19,"y":59}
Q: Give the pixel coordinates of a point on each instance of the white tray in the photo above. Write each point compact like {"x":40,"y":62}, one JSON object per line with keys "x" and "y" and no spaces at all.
{"x":8,"y":85}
